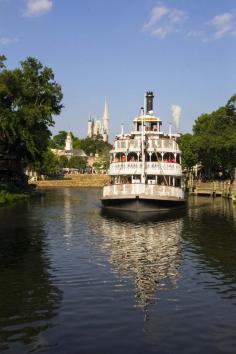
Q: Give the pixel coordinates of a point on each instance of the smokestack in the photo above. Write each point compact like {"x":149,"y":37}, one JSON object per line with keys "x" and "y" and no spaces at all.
{"x":149,"y":101}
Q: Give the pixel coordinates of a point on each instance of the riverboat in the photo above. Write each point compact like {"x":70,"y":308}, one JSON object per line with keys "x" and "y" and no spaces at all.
{"x":145,"y":169}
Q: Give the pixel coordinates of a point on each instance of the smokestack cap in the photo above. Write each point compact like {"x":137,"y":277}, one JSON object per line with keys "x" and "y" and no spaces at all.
{"x":149,"y":101}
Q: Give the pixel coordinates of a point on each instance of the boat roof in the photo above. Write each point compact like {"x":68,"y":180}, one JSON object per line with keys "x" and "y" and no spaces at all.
{"x":147,"y":118}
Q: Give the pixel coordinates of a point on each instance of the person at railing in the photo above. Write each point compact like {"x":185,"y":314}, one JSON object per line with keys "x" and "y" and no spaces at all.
{"x":133,"y":159}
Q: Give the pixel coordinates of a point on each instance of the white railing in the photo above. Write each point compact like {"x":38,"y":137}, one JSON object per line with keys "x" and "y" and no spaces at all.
{"x":135,"y":145}
{"x":163,"y":145}
{"x":155,"y":168}
{"x":124,"y":145}
{"x":153,"y":191}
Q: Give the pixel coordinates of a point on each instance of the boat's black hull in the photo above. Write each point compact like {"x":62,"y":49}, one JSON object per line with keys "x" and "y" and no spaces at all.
{"x":143,"y":205}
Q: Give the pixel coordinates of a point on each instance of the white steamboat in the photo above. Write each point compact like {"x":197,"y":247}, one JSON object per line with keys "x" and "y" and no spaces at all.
{"x":145,"y":170}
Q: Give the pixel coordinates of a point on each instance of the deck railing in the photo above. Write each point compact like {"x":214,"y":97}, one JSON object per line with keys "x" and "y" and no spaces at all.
{"x":142,"y":190}
{"x":155,"y":168}
{"x":160,"y":145}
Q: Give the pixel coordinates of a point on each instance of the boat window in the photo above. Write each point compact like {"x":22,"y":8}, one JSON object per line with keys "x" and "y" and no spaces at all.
{"x":120,"y":157}
{"x":156,"y":156}
{"x":169,"y":157}
{"x":154,"y":127}
{"x":136,"y":179}
{"x":125,"y":180}
{"x":162,"y":180}
{"x":151,"y":179}
{"x":132,"y":156}
{"x":178,"y":182}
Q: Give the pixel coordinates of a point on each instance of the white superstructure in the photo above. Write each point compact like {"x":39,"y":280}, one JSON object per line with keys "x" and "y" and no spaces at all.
{"x":145,"y":164}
